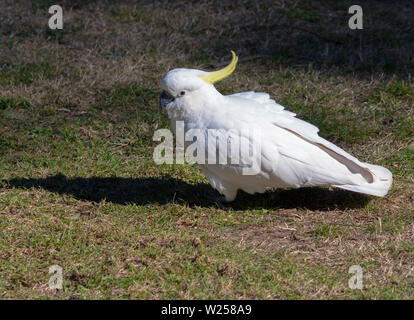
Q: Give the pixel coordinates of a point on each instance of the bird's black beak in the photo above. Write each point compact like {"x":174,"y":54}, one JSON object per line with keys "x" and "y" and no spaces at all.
{"x":165,"y":98}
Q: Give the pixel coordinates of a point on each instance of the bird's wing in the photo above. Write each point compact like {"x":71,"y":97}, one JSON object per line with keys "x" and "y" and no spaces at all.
{"x":376,"y":178}
{"x":272,"y":110}
{"x":263,"y":99}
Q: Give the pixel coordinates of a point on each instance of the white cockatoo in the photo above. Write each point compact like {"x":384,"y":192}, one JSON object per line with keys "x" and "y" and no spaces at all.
{"x":291,"y":153}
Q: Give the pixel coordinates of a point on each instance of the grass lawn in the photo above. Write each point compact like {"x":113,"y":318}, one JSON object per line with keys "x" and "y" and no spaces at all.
{"x":79,"y":187}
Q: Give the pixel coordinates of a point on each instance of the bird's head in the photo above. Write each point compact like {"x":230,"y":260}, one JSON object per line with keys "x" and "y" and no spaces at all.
{"x":184,"y":83}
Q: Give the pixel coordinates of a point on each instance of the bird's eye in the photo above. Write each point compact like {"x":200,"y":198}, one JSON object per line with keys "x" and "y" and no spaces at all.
{"x":182,"y":93}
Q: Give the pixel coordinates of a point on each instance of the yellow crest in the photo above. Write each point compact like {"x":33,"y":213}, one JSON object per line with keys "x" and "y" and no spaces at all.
{"x":222,"y":73}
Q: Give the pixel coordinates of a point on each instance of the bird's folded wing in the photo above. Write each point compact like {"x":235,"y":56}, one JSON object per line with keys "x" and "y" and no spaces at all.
{"x":286,"y":120}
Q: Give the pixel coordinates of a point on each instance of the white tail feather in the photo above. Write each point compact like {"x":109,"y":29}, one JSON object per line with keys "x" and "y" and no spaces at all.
{"x":379,"y":187}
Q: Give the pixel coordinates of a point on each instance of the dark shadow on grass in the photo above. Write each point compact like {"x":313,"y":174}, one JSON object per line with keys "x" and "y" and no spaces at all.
{"x":142,"y":191}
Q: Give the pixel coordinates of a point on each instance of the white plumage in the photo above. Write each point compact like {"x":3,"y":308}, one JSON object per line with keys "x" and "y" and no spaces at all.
{"x":292,"y":154}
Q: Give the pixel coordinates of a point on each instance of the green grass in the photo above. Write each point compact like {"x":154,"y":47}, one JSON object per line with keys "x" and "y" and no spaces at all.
{"x":403,"y":160}
{"x":24,"y":73}
{"x":79,"y":187}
